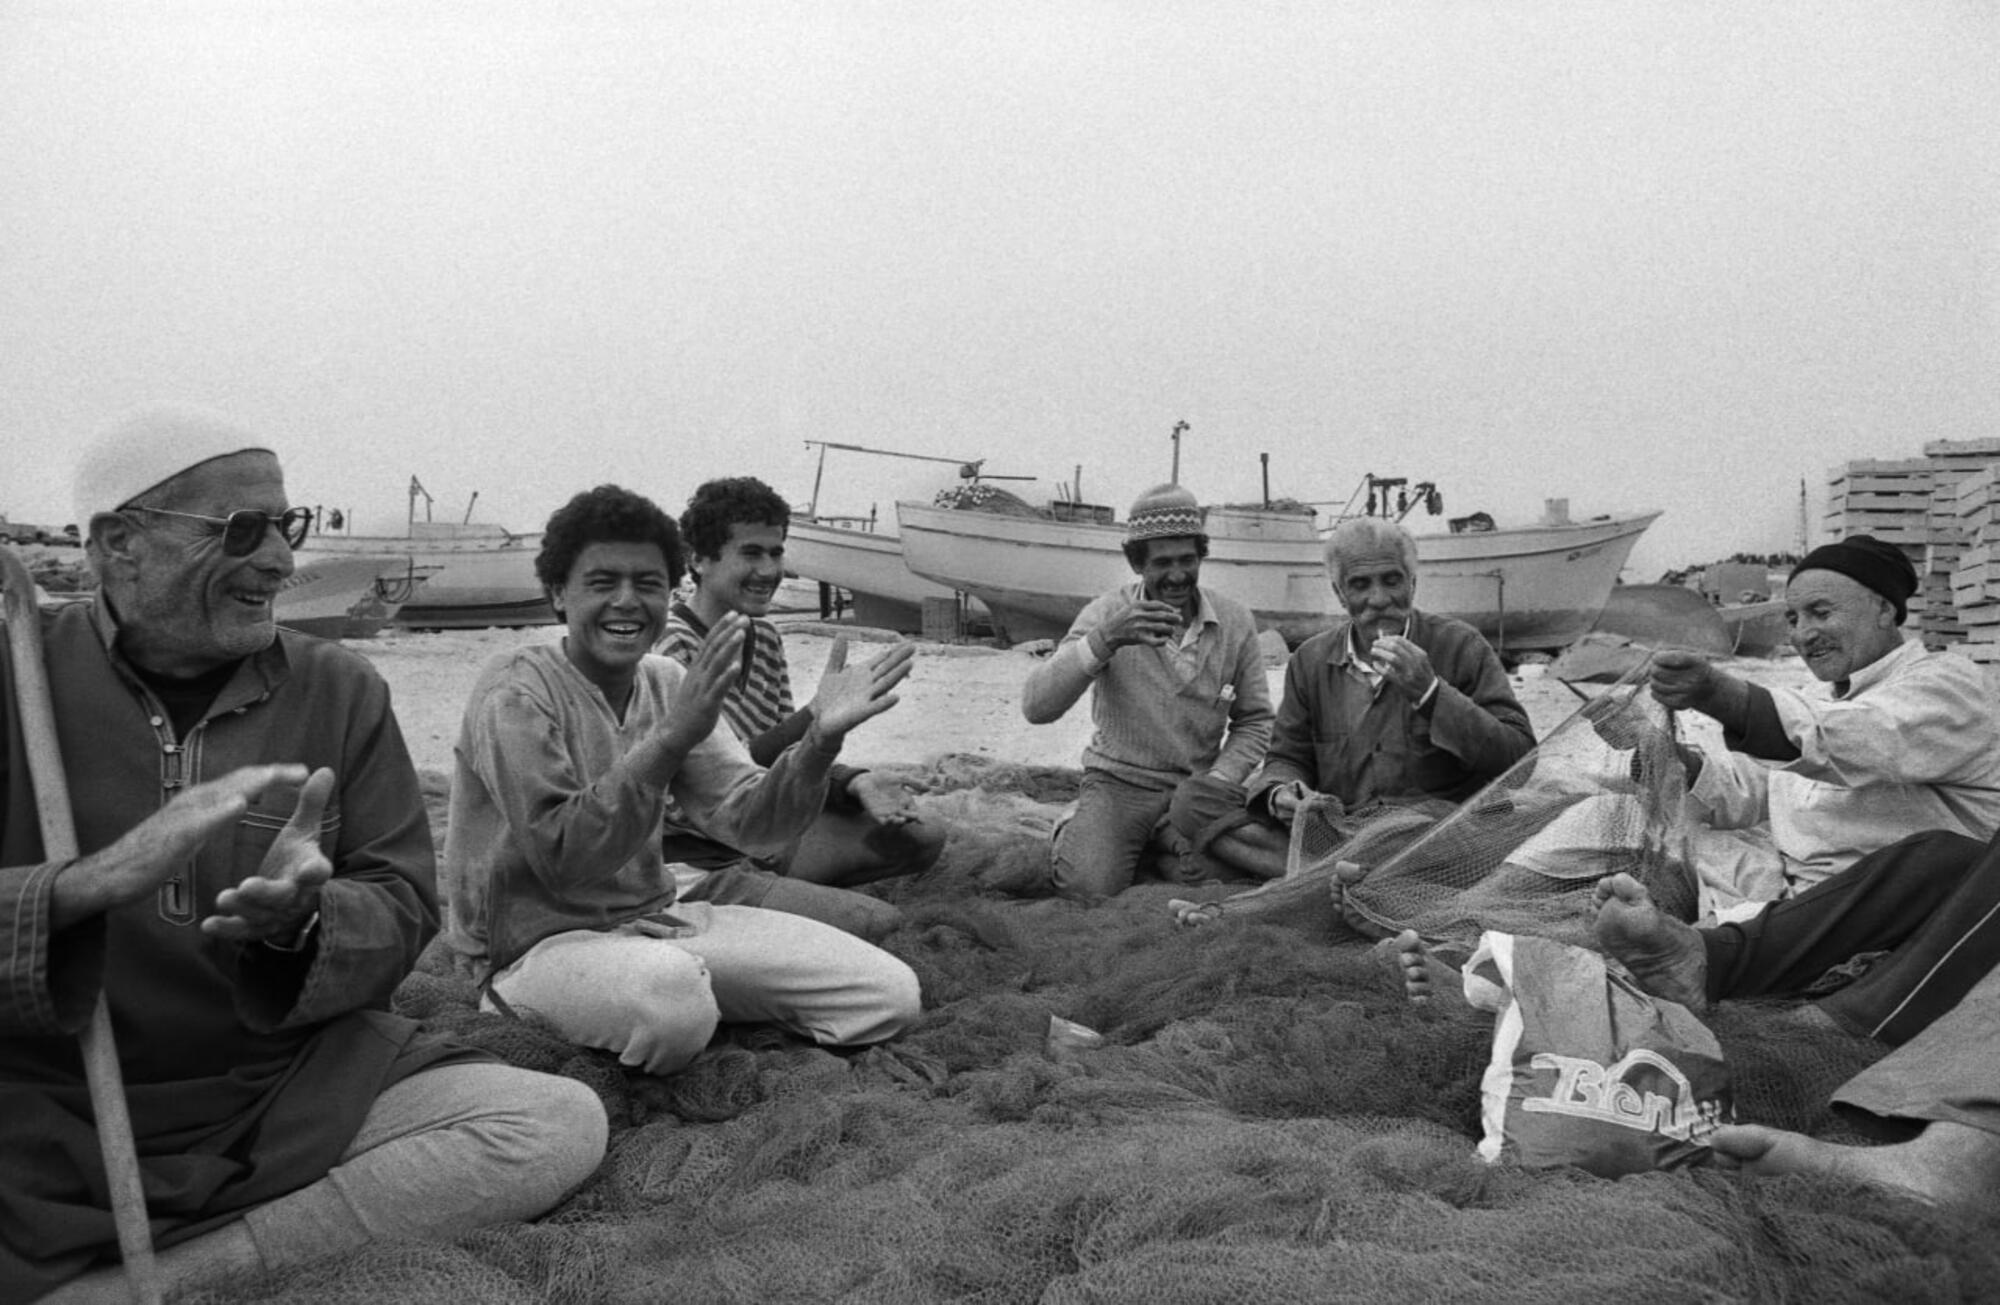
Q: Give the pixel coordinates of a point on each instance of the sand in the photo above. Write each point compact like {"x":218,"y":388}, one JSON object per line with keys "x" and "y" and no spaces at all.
{"x":961,"y":698}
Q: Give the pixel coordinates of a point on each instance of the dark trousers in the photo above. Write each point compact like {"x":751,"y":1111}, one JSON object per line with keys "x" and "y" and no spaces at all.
{"x":1931,"y":901}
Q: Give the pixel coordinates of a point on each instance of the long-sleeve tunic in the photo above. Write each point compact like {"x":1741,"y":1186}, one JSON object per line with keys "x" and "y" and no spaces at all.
{"x":248,"y":1070}
{"x":553,"y":829}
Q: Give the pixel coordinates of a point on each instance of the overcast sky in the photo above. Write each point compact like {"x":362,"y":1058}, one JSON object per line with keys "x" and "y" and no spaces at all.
{"x":1676,"y":255}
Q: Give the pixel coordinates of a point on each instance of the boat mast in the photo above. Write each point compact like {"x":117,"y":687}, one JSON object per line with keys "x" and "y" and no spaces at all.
{"x":416,"y":488}
{"x":1180,"y":428}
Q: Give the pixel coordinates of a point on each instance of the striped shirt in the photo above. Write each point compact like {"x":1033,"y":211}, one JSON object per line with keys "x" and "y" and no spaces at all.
{"x":761,"y":698}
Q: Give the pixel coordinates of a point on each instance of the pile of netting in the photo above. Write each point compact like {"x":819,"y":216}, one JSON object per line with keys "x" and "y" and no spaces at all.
{"x":1267,"y":1120}
{"x":1604,"y":793}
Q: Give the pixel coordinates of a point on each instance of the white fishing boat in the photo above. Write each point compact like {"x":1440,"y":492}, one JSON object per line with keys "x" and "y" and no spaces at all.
{"x":869,"y":566}
{"x":850,"y":553}
{"x":1534,"y":587}
{"x":483,"y":575}
{"x":476,"y":574}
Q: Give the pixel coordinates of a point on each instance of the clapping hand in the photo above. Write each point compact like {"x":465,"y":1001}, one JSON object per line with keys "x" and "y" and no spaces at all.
{"x":848,"y":695}
{"x":697,"y":704}
{"x":161,"y":845}
{"x":283,"y":894}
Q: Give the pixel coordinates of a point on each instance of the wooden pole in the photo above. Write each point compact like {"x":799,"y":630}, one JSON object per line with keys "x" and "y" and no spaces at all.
{"x":100,"y":1052}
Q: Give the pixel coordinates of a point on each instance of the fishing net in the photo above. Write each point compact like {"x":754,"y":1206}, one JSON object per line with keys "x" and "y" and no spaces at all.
{"x":1604,"y":793}
{"x":1266,"y":1120}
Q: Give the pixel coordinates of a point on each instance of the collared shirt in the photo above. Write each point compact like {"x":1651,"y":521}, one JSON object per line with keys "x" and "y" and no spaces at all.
{"x":1198,"y":704}
{"x":1360,"y":664}
{"x":1338,"y":733}
{"x":1913,"y":744}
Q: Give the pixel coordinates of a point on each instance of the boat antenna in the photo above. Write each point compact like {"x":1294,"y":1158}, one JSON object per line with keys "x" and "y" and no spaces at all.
{"x":1180,"y":428}
{"x":468,"y":507}
{"x":1265,"y":459}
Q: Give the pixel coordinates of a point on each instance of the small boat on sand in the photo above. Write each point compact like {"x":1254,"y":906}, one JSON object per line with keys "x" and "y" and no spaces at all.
{"x":475,"y":574}
{"x":1756,"y":629}
{"x":1536,"y":587}
{"x":483,"y":575}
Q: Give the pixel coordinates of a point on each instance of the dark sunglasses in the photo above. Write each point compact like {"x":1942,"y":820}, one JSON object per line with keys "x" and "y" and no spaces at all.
{"x":243,"y":530}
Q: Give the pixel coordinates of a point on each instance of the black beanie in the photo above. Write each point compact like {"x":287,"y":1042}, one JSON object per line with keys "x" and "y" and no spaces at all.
{"x":1870,"y":563}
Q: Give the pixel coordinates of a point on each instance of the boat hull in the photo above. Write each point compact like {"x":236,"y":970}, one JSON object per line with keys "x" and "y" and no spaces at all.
{"x":474,"y":580}
{"x":1757,"y":629}
{"x":338,"y":597}
{"x":868,"y":566}
{"x":1532,"y":588}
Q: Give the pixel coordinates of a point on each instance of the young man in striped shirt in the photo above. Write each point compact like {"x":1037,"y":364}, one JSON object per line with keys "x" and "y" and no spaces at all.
{"x":870,"y":829}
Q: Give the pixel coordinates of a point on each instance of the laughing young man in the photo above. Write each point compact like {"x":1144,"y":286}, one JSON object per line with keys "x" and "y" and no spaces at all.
{"x":1179,"y":700}
{"x":561,"y":899}
{"x":869,"y":828}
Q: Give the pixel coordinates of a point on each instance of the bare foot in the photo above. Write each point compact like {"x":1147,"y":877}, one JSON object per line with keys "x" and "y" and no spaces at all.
{"x":1424,"y":975}
{"x":1948,"y":1164}
{"x":1348,"y":875}
{"x":1665,"y":955}
{"x":1193,"y":915}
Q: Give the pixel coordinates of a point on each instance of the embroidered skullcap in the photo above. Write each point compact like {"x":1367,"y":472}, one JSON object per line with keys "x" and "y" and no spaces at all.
{"x":1163,"y":512}
{"x":1868,"y":562}
{"x":148,"y":447}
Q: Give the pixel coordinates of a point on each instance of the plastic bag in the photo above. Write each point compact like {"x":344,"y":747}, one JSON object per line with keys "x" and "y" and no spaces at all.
{"x":1588,"y":1070}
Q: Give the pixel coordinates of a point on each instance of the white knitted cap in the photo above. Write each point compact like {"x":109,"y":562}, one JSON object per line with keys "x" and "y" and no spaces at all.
{"x":148,"y":447}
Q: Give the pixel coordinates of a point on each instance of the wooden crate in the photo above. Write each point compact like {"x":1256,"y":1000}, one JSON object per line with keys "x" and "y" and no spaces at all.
{"x":943,"y":620}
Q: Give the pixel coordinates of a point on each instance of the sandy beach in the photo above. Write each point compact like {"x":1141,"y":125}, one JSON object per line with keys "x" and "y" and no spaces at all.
{"x":961,"y":698}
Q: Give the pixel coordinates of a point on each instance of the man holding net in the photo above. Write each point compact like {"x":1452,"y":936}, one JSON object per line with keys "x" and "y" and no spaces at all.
{"x":1390,"y":705}
{"x":1179,"y":699}
{"x":1907,"y":742}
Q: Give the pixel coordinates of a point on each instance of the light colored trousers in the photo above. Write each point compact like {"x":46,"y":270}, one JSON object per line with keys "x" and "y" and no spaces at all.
{"x":654,"y":990}
{"x":442,"y":1152}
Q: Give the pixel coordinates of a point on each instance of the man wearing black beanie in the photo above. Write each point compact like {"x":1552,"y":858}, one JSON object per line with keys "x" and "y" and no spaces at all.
{"x":1907,"y":742}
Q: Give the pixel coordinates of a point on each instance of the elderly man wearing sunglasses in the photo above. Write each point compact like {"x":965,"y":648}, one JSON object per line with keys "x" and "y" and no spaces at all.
{"x":256,"y":879}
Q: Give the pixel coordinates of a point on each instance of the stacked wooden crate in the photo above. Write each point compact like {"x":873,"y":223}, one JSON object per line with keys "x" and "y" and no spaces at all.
{"x":1975,"y":577}
{"x":1953,"y":462}
{"x":1889,"y":498}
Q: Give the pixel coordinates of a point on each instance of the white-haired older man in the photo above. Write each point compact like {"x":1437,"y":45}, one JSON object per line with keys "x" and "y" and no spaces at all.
{"x":256,"y":877}
{"x":1390,"y":704}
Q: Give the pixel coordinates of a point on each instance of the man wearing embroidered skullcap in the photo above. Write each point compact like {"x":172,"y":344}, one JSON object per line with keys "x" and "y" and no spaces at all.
{"x":1179,"y":702}
{"x":1906,"y":742}
{"x":255,"y":879}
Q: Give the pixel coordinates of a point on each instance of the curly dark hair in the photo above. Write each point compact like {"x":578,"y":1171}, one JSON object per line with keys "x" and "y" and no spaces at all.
{"x":608,"y":514}
{"x":1135,"y":549}
{"x":717,"y":505}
